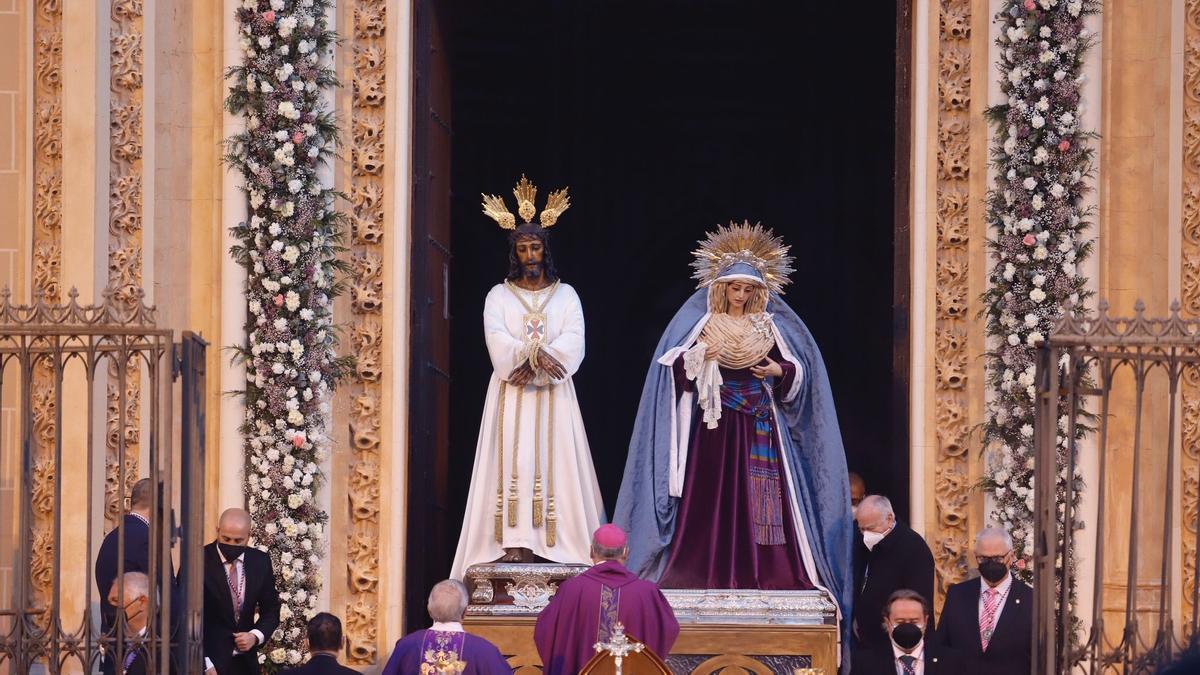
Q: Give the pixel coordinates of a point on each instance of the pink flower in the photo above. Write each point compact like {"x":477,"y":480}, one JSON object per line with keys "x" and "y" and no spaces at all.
{"x":269,"y":15}
{"x":1064,"y":145}
{"x":298,"y":440}
{"x":1029,"y":240}
{"x":1030,"y":5}
{"x":298,"y":137}
{"x":279,"y":299}
{"x":1021,"y":564}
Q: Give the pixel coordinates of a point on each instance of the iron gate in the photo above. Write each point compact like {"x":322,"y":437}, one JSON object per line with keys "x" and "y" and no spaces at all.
{"x":1121,"y":377}
{"x":86,"y":394}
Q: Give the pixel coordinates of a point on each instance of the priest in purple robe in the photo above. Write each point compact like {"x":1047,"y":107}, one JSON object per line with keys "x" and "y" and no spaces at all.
{"x":585,"y":609}
{"x":445,"y":647}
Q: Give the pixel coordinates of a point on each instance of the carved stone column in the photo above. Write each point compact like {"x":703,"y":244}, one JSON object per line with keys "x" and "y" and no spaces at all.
{"x":1190,"y":292}
{"x":125,"y":237}
{"x":366,"y":136}
{"x":948,"y":533}
{"x":47,"y":272}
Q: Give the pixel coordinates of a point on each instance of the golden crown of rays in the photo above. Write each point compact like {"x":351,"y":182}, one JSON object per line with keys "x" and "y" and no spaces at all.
{"x":745,"y":243}
{"x":525,"y":192}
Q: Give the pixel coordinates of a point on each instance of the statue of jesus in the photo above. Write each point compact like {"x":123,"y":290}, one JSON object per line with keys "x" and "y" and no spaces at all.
{"x":533,"y":491}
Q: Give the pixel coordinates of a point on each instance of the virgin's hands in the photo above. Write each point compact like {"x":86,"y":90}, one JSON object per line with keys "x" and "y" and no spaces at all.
{"x":770,"y":369}
{"x":551,"y":366}
{"x":713,"y":350}
{"x":521,"y":375}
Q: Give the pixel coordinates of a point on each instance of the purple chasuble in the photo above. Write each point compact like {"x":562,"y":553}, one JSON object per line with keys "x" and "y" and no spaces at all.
{"x":425,"y":651}
{"x":585,"y":608}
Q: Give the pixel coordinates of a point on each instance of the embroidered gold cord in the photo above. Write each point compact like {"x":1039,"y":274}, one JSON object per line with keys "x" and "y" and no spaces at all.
{"x":551,"y":519}
{"x":498,"y":525}
{"x":513,"y":495}
{"x":744,"y":340}
{"x":537,"y":461}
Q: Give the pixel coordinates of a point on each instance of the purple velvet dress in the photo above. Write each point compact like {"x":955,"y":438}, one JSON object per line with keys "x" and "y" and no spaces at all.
{"x":731,"y":531}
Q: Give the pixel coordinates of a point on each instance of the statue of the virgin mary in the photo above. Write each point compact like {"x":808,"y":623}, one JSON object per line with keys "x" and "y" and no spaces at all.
{"x":736,"y":476}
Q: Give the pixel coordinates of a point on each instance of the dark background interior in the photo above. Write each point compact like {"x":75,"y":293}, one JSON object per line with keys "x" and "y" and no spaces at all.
{"x":665,"y":119}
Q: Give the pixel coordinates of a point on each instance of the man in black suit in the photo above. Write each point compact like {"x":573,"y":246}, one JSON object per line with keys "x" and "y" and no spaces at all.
{"x":905,"y":621}
{"x":239,"y":582}
{"x":990,"y":619}
{"x":137,"y":548}
{"x":324,"y":643}
{"x":896,"y":558}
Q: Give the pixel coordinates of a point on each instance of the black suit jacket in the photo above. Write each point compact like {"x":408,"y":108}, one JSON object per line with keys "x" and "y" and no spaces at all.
{"x":1008,"y":651}
{"x":900,"y":560}
{"x":939,"y":660}
{"x":321,"y":664}
{"x":137,"y":559}
{"x":260,"y":598}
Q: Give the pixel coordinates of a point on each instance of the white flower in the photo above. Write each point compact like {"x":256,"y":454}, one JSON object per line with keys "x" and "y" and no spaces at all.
{"x":1059,"y":75}
{"x":290,"y":254}
{"x":1035,"y":338}
{"x":279,"y":655}
{"x":1040,"y":253}
{"x":295,"y":417}
{"x":277,"y":5}
{"x":1031,"y":321}
{"x":1046,"y":57}
{"x":1043,"y":104}
{"x":1037,"y":202}
{"x":1010,"y":146}
{"x":305,"y":46}
{"x":1039,"y":280}
{"x":1009,"y":270}
{"x":288,"y":209}
{"x":1027,"y":430}
{"x":295,"y":185}
{"x":1037,"y":121}
{"x":1037,"y":295}
{"x":306,"y":314}
{"x":294,"y":501}
{"x":1014,"y":339}
{"x":264,"y":42}
{"x":1057,"y":190}
{"x":287,"y":25}
{"x":1030,"y":183}
{"x":1016,"y":74}
{"x":1044,"y":32}
{"x":1067,"y":119}
{"x":280,"y":324}
{"x":288,"y":110}
{"x":1040,"y":155}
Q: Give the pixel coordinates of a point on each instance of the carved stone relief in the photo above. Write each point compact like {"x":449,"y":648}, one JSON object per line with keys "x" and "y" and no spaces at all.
{"x":47,"y":277}
{"x":1190,"y":290}
{"x":125,"y":236}
{"x":949,"y":533}
{"x":368,"y":97}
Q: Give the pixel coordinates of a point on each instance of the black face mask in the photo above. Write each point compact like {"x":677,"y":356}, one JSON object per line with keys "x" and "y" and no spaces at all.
{"x":230,"y":551}
{"x":907,"y":635}
{"x":992,"y":570}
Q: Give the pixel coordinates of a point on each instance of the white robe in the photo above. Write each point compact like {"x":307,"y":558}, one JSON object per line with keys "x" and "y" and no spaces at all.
{"x":577,"y":503}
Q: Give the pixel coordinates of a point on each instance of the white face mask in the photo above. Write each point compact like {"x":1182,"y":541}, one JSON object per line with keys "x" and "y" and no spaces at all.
{"x":870,"y":539}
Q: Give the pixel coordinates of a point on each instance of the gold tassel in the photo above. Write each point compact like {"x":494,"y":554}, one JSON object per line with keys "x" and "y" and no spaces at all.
{"x":551,"y":526}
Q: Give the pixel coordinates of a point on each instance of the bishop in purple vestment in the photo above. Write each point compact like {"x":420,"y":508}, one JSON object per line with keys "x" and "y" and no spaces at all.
{"x":585,"y":608}
{"x":446,"y":647}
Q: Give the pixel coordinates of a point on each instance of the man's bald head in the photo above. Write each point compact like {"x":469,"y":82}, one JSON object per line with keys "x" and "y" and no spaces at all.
{"x":875,"y":514}
{"x":234,"y":527}
{"x":448,"y":601}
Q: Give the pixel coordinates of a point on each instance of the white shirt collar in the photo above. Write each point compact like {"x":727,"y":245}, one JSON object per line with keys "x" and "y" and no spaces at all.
{"x":917,"y":653}
{"x":140,"y":517}
{"x":1002,"y":588}
{"x":447,"y":627}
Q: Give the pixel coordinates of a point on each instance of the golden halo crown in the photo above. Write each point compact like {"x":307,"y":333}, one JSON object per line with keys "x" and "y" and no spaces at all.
{"x":751,"y":244}
{"x":556,"y":203}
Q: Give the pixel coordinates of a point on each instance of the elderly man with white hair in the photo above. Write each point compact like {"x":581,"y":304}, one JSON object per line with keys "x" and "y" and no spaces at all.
{"x":896,"y":558}
{"x":989,"y":619}
{"x":445,"y":647}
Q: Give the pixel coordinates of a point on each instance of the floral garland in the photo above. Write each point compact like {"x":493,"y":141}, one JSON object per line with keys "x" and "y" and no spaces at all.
{"x":1042,"y":159}
{"x":289,"y":248}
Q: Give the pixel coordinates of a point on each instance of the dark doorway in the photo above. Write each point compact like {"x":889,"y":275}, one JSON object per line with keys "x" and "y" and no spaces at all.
{"x":665,"y":119}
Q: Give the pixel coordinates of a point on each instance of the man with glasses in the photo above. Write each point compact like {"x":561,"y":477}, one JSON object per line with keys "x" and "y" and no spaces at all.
{"x":989,"y":619}
{"x":906,"y":619}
